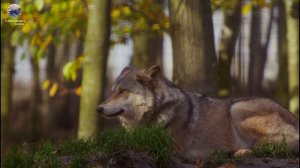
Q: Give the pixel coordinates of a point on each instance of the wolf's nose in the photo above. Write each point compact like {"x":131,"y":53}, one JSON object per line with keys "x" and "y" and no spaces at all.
{"x":99,"y":109}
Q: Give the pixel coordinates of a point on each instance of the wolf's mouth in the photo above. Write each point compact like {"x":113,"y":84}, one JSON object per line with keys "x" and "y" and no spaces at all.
{"x":115,"y":114}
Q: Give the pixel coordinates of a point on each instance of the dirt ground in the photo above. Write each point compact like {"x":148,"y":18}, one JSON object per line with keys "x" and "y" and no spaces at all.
{"x":265,"y":163}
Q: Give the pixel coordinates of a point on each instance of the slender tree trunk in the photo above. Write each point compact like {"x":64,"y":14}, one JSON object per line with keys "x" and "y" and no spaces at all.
{"x":7,"y":71}
{"x":230,"y":34}
{"x":282,"y":87}
{"x":254,"y":83}
{"x":258,"y":51}
{"x":35,"y":100}
{"x":96,"y":51}
{"x":47,"y":115}
{"x":194,"y":56}
{"x":293,"y":56}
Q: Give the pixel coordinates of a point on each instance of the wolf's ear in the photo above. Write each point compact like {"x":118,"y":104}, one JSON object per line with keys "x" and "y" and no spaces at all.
{"x":149,"y":74}
{"x":126,"y":69}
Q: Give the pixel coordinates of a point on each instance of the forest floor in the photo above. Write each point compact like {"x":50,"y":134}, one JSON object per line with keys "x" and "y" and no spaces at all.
{"x":265,"y":163}
{"x":272,"y":163}
{"x":140,"y":148}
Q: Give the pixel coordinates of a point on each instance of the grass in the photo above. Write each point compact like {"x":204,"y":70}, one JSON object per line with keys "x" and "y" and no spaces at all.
{"x":154,"y":142}
{"x":264,"y":150}
{"x":217,"y":158}
{"x":268,"y":149}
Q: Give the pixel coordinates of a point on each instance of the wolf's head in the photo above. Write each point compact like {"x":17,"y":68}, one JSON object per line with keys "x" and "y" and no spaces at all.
{"x":132,"y":97}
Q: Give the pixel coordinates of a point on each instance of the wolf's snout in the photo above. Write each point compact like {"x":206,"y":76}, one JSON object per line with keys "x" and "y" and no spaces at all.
{"x":100,"y":109}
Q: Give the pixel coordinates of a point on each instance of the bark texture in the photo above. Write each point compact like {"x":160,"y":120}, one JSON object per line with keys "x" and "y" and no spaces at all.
{"x":282,"y":87}
{"x":95,"y":52}
{"x":147,"y":49}
{"x":293,"y":55}
{"x":194,"y":56}
{"x":7,"y":71}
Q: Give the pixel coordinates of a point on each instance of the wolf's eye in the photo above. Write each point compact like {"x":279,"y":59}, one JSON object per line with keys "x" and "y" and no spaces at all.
{"x":123,"y":91}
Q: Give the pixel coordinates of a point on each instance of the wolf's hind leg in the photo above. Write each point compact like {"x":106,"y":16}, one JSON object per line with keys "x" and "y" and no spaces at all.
{"x":259,"y":120}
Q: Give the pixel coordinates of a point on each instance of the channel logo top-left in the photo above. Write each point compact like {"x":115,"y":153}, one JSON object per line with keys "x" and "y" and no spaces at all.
{"x":14,"y":10}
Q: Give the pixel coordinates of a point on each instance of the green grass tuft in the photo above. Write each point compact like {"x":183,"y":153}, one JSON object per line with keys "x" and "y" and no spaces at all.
{"x":18,"y":159}
{"x":268,"y":149}
{"x":45,"y":155}
{"x":216,"y":158}
{"x":155,"y":142}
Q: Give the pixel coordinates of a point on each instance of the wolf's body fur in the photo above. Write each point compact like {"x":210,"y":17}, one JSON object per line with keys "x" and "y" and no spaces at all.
{"x":198,"y":124}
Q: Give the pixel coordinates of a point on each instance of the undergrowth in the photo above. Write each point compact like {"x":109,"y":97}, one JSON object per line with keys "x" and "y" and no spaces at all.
{"x":264,"y":150}
{"x":268,"y":149}
{"x":155,"y":142}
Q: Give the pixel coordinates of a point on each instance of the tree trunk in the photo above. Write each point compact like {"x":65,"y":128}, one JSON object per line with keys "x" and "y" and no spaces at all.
{"x":147,"y":49}
{"x":7,"y":71}
{"x":254,"y":83}
{"x":228,"y":42}
{"x":258,"y":51}
{"x":96,"y":51}
{"x":293,"y":56}
{"x":194,"y":56}
{"x":47,"y":105}
{"x":35,"y":100}
{"x":282,"y":87}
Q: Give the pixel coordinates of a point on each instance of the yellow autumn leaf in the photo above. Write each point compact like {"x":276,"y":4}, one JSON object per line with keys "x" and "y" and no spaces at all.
{"x":5,"y":5}
{"x":53,"y":89}
{"x":49,"y":38}
{"x":115,"y":13}
{"x":47,"y":41}
{"x":26,"y":28}
{"x":126,"y":29}
{"x":155,"y":27}
{"x":73,"y":75}
{"x":80,"y":58}
{"x":33,"y":40}
{"x":46,"y":84}
{"x":78,"y":90}
{"x":167,"y":25}
{"x":126,"y":10}
{"x":223,"y":92}
{"x":246,"y":8}
{"x":5,"y":16}
{"x":77,"y":33}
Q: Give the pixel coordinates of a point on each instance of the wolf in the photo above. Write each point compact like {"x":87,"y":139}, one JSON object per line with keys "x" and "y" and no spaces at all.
{"x":198,"y":124}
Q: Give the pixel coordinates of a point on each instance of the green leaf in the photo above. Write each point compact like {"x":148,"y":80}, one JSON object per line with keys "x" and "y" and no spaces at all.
{"x":32,"y":49}
{"x":15,"y":38}
{"x":73,"y":75}
{"x":67,"y":70}
{"x":70,"y":68}
{"x":41,"y":53}
{"x":23,"y":56}
{"x":39,"y":4}
{"x":64,"y":6}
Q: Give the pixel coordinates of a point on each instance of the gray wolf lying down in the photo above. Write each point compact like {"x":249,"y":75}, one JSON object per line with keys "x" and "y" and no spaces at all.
{"x":198,"y":124}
